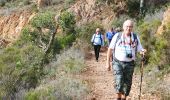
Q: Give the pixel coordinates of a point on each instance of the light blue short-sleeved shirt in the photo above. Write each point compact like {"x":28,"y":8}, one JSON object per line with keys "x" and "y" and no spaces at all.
{"x":97,"y":39}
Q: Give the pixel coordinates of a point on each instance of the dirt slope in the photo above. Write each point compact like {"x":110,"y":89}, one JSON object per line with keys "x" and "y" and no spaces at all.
{"x":101,"y":82}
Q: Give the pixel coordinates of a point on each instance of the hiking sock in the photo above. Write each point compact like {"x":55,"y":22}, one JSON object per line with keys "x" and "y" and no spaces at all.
{"x":118,"y":98}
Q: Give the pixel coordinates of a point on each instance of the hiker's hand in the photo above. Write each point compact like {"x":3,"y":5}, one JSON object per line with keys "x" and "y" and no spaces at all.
{"x":143,"y":55}
{"x":143,"y":52}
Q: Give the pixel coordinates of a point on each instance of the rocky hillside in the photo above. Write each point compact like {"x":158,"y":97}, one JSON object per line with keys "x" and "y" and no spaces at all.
{"x":84,"y":10}
{"x":11,"y":25}
{"x":165,"y":22}
{"x":89,"y":10}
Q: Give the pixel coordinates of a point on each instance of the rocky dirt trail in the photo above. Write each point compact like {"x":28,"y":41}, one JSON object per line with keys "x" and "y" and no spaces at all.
{"x":101,"y":81}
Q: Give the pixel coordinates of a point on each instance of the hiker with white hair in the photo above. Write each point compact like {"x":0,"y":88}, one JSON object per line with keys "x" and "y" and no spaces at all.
{"x":124,"y":47}
{"x":97,"y":41}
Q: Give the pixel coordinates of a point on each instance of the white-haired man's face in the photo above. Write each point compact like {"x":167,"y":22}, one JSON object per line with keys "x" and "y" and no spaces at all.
{"x":128,"y":27}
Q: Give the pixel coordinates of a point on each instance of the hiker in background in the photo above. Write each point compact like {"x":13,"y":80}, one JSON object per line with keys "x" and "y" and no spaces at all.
{"x":109,"y":35}
{"x":124,"y":46}
{"x":97,"y":41}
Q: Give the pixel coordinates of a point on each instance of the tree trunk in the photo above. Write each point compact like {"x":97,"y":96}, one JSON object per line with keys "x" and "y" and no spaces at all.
{"x":47,"y":50}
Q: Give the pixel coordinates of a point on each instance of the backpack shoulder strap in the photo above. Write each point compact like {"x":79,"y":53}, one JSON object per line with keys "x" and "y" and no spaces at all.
{"x":94,"y":35}
{"x":101,"y":38}
{"x":118,"y":37}
{"x":135,"y":37}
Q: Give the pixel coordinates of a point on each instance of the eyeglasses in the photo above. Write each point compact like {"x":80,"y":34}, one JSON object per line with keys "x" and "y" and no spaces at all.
{"x":129,"y":26}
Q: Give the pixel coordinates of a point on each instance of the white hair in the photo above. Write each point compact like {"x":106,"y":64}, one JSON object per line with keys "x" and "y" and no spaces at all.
{"x":128,"y":21}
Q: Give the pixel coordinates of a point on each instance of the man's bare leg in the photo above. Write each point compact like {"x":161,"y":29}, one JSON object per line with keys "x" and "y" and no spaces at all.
{"x":119,"y":95}
{"x":123,"y":97}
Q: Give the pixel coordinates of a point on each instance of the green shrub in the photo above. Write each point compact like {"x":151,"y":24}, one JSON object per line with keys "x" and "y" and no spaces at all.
{"x":149,"y":7}
{"x":73,"y":65}
{"x":71,"y":61}
{"x":27,"y":36}
{"x":20,"y":68}
{"x":147,"y":31}
{"x":60,"y":89}
{"x":2,"y":3}
{"x":67,"y":22}
{"x":66,"y":40}
{"x":68,"y":3}
{"x":44,"y":20}
{"x":133,"y":7}
{"x":160,"y":55}
{"x":44,"y":26}
{"x":14,"y":3}
{"x":63,"y":42}
{"x":153,"y":6}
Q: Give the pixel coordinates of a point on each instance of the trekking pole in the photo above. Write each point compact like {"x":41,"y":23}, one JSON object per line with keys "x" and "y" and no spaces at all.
{"x":141,"y":71}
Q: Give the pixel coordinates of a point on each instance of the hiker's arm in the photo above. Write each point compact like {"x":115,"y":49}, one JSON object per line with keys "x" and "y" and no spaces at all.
{"x":92,"y":38}
{"x":109,"y":53}
{"x":143,"y":51}
{"x":140,"y":49}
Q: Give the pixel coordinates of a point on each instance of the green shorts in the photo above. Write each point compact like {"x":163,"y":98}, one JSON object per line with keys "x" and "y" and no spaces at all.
{"x":123,"y":72}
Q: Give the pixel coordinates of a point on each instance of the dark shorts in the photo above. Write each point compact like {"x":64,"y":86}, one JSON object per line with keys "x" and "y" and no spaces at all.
{"x":123,"y":72}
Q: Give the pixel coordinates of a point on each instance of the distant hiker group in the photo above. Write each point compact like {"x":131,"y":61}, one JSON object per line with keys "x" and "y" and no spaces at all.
{"x":122,"y":49}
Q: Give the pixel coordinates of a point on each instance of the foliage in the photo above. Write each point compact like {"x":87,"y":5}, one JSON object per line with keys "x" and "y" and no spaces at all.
{"x":14,"y":3}
{"x":161,"y":51}
{"x":118,"y":22}
{"x":44,"y":20}
{"x":27,"y":36}
{"x":71,"y":61}
{"x":157,"y":45}
{"x":45,"y":29}
{"x":66,"y":41}
{"x":152,"y":6}
{"x":61,"y":89}
{"x":2,"y":3}
{"x":67,"y":22}
{"x":105,"y":1}
{"x":68,"y":2}
{"x":147,"y":29}
{"x":20,"y":68}
{"x":133,"y":7}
